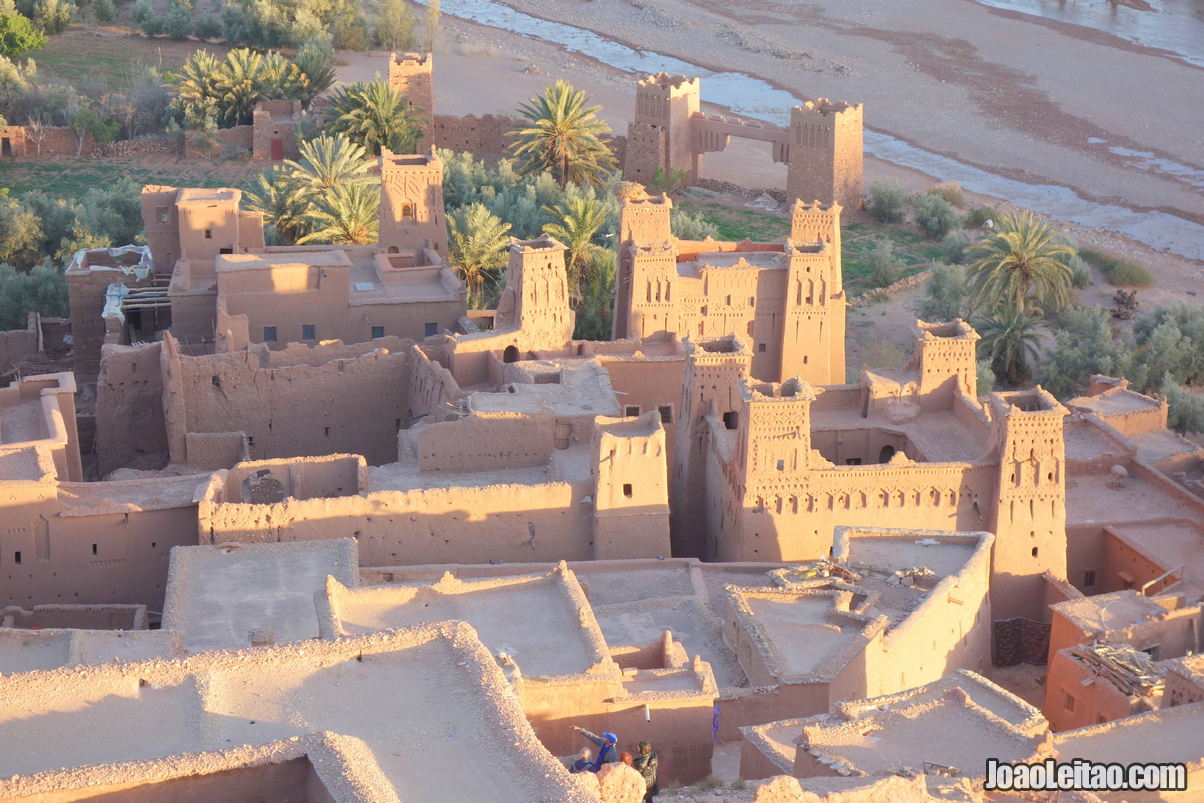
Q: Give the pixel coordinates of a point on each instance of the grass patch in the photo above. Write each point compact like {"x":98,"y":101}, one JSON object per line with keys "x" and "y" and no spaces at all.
{"x":1117,"y":270}
{"x":79,"y":55}
{"x":914,"y":251}
{"x":739,"y":224}
{"x":70,"y":178}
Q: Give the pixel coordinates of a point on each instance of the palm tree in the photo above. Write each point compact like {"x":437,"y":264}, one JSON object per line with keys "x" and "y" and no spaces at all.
{"x":564,"y":137}
{"x":328,"y":163}
{"x":347,"y":215}
{"x":280,"y":78}
{"x":1022,"y":265}
{"x":478,"y":248}
{"x":577,"y":219}
{"x":316,"y":62}
{"x":1009,"y":341}
{"x":275,"y":194}
{"x":239,"y":86}
{"x":375,"y":116}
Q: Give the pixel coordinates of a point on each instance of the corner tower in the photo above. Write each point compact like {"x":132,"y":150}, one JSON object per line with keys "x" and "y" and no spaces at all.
{"x":814,"y":311}
{"x":660,"y":133}
{"x":412,"y":74}
{"x":646,"y":269}
{"x":825,"y":159}
{"x":1029,"y":520}
{"x":536,"y":298}
{"x":411,"y":202}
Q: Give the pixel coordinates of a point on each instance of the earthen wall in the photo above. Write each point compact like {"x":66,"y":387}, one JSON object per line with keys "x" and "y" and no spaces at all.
{"x":129,"y":406}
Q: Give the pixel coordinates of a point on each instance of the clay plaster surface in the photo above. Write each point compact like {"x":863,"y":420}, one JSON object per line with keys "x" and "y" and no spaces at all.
{"x":217,"y":596}
{"x":893,"y":553}
{"x":1172,"y":734}
{"x":802,"y":630}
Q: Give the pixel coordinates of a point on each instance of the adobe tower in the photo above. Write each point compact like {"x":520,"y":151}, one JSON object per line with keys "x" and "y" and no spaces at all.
{"x":825,"y":156}
{"x":660,"y":135}
{"x":411,"y":202}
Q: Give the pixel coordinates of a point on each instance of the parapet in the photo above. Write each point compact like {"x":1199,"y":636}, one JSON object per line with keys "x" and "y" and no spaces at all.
{"x":824,"y":107}
{"x":424,"y":60}
{"x":1036,"y":400}
{"x":792,"y":390}
{"x":390,"y":160}
{"x":671,"y":85}
{"x":955,"y":329}
{"x":540,"y":244}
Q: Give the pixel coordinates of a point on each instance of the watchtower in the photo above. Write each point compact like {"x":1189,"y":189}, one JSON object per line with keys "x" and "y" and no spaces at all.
{"x":825,"y":159}
{"x":647,"y":268}
{"x":1029,"y":519}
{"x":660,"y":134}
{"x":412,"y":74}
{"x":411,"y":202}
{"x":813,"y":326}
{"x":536,"y":297}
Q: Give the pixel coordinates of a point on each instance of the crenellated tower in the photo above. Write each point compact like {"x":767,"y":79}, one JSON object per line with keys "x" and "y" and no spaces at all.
{"x":411,"y":202}
{"x":536,"y":296}
{"x":412,"y":74}
{"x":647,"y":268}
{"x":660,"y":133}
{"x":945,"y":358}
{"x":713,"y":372}
{"x":825,"y":152}
{"x":1029,"y":520}
{"x":814,"y":311}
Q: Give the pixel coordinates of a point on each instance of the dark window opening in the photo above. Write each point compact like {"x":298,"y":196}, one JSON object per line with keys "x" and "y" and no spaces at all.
{"x":269,"y":334}
{"x":731,"y":420}
{"x":1088,"y":579}
{"x":208,"y":234}
{"x":761,"y":347}
{"x":627,"y":489}
{"x":17,"y":557}
{"x":853,"y":461}
{"x":666,"y":411}
{"x":510,"y":354}
{"x":886,"y":454}
{"x":326,"y":431}
{"x":94,"y":549}
{"x":431,"y":328}
{"x":781,"y":465}
{"x":378,"y":331}
{"x":309,"y":331}
{"x":226,"y":250}
{"x":631,"y":411}
{"x":1034,"y":552}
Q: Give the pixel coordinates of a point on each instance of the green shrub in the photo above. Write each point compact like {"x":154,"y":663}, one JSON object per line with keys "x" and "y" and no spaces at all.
{"x":886,"y":201}
{"x":1117,"y":270}
{"x":104,"y":11}
{"x":884,"y":267}
{"x":934,"y":215}
{"x":1186,"y":412}
{"x":686,"y":226}
{"x":953,"y":247}
{"x":42,"y":289}
{"x":669,"y":181}
{"x":977,"y":217}
{"x":951,"y":191}
{"x":178,"y":23}
{"x":1080,"y":272}
{"x":55,"y":15}
{"x":986,"y":377}
{"x":207,"y":26}
{"x":946,"y":295}
{"x":18,"y":35}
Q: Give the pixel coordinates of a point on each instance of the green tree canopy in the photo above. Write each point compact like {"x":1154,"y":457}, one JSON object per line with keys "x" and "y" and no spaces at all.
{"x":19,"y":35}
{"x":1021,"y":265}
{"x":478,"y":248}
{"x":564,"y":137}
{"x":375,"y":116}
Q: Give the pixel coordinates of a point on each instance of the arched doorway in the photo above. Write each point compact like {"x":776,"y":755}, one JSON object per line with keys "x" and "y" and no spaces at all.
{"x":510,"y":354}
{"x":886,"y":454}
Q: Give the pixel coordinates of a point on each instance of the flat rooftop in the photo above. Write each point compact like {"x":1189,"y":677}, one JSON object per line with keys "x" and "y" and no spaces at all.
{"x":940,"y":436}
{"x":1166,"y":735}
{"x":1116,"y":401}
{"x":582,"y":389}
{"x":30,"y":650}
{"x":957,"y":721}
{"x":23,"y":422}
{"x":229,"y":263}
{"x":565,"y":465}
{"x":1172,"y":544}
{"x":206,"y":195}
{"x":805,"y":630}
{"x":888,"y":553}
{"x":541,"y":621}
{"x":1113,"y":611}
{"x":217,"y":595}
{"x":129,"y":496}
{"x":421,"y":701}
{"x":1091,"y":500}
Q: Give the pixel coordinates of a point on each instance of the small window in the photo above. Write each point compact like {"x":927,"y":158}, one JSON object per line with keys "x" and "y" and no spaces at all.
{"x":631,"y":411}
{"x":627,"y":489}
{"x":1088,"y":579}
{"x":269,"y":334}
{"x":1034,"y":552}
{"x":666,"y":411}
{"x":17,"y":557}
{"x":727,"y":300}
{"x":853,"y":461}
{"x":761,"y":347}
{"x":208,"y":234}
{"x":781,"y":465}
{"x":731,"y":420}
{"x":94,"y":549}
{"x":752,"y":301}
{"x":1068,"y":701}
{"x":432,"y":328}
{"x":164,"y":214}
{"x":309,"y":331}
{"x":226,"y":250}
{"x":326,"y":431}
{"x":378,"y":331}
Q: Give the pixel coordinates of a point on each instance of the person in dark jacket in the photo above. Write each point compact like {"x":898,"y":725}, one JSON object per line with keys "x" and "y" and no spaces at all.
{"x":645,"y":763}
{"x":607,"y":750}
